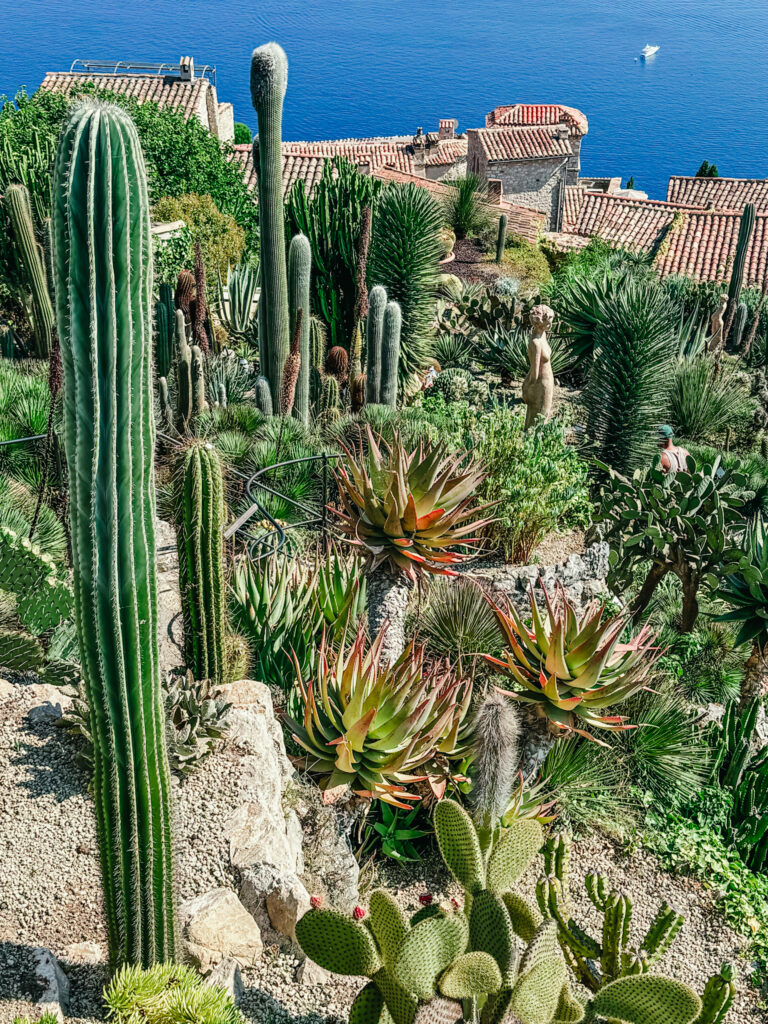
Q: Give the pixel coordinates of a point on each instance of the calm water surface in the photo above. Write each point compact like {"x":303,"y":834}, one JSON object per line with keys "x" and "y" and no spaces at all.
{"x":373,"y":67}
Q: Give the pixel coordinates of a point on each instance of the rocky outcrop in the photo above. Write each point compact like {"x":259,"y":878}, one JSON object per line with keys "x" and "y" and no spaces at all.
{"x":583,"y":576}
{"x":54,"y":997}
{"x":216,"y":926}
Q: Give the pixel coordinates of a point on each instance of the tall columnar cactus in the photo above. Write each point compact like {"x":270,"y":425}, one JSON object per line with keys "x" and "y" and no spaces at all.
{"x":102,"y":254}
{"x":165,"y":326}
{"x":299,"y":269}
{"x":19,"y":210}
{"x":330,"y":399}
{"x":269,"y":78}
{"x":390,"y":354}
{"x":746,"y":228}
{"x":200,"y":525}
{"x":263,"y":396}
{"x":190,"y":383}
{"x":501,"y":238}
{"x":377,"y":303}
{"x":739,"y":324}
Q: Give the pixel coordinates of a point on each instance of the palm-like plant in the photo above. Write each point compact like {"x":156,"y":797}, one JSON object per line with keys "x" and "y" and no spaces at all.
{"x":405,"y":250}
{"x":370,"y":726}
{"x":746,"y":591}
{"x":629,"y":380}
{"x":465,"y":206}
{"x":410,"y":510}
{"x":572,"y":667}
{"x":705,"y":400}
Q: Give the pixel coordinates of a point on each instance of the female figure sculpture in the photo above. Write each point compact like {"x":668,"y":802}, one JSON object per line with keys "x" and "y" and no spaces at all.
{"x":539,"y":385}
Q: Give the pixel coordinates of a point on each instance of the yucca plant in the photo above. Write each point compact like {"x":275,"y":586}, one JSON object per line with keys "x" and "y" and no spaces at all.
{"x":371,"y":726}
{"x":572,"y":666}
{"x":457,"y":621}
{"x":706,"y":400}
{"x":410,"y":509}
{"x":746,"y":590}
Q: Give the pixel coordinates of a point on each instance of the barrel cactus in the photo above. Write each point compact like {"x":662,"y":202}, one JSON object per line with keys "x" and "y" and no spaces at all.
{"x":102,"y":258}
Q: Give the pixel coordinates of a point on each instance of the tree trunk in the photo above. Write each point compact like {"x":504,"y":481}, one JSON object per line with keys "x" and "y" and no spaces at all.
{"x":388,"y":595}
{"x":755,"y":682}
{"x":652,"y":580}
{"x":690,"y":602}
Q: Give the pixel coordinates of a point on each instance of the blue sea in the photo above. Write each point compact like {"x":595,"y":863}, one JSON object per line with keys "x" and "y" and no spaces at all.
{"x":379,"y":67}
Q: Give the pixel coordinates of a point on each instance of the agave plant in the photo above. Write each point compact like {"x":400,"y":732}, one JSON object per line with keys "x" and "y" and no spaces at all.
{"x":410,"y":509}
{"x":370,"y":726}
{"x":339,"y":590}
{"x":571,"y":666}
{"x":746,"y":590}
{"x":235,"y":300}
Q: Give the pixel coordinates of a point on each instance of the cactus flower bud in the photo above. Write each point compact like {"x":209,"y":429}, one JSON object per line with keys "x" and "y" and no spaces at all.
{"x":425,"y":899}
{"x":358,"y":913}
{"x":315,"y":902}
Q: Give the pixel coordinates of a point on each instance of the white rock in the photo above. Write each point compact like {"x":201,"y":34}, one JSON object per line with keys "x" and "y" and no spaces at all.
{"x":216,"y":926}
{"x":310,"y":973}
{"x":84,"y":953}
{"x":286,"y":904}
{"x":6,"y":690}
{"x":262,"y":834}
{"x":226,"y":975}
{"x":53,"y":981}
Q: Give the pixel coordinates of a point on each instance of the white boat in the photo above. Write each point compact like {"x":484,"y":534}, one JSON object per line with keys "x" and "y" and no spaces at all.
{"x":648,"y":51}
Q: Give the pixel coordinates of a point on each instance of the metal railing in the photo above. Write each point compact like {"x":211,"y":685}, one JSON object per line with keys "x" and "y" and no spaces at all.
{"x":128,"y":67}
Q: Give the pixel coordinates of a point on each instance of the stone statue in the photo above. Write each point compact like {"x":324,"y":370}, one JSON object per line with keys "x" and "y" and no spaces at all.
{"x":716,"y":340}
{"x":539,"y":385}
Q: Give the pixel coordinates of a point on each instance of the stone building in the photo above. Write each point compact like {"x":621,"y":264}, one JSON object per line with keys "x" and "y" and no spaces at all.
{"x":168,"y":85}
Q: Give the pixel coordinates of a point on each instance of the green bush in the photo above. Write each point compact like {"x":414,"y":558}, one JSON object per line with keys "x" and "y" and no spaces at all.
{"x":705,"y":402}
{"x":465,"y":206}
{"x":538,"y":479}
{"x":221,"y":238}
{"x":167,"y":994}
{"x":243,"y":134}
{"x":526,"y":262}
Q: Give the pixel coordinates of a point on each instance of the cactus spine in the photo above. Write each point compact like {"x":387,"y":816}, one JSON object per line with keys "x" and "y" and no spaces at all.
{"x":269,"y":78}
{"x":19,"y":209}
{"x":390,"y":354}
{"x":501,"y":238}
{"x":299,"y":268}
{"x":377,"y":303}
{"x":200,"y":525}
{"x":102,"y":254}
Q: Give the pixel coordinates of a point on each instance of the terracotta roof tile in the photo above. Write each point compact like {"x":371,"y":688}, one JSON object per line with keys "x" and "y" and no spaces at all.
{"x":631,"y":223}
{"x":165,"y":90}
{"x":704,"y":244}
{"x":517,"y":143}
{"x":538,"y":114}
{"x":719,"y":193}
{"x":574,"y":197}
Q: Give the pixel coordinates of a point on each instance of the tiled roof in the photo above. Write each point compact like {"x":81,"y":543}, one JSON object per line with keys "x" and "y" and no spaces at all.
{"x":719,"y":193}
{"x":539,"y":114}
{"x":574,"y":197}
{"x":632,"y":223}
{"x":520,"y":219}
{"x":165,"y":90}
{"x":704,"y":244}
{"x":522,"y":143}
{"x":307,"y":166}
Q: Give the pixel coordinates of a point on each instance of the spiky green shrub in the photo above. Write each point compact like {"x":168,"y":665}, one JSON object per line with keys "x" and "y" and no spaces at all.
{"x":629,"y":377}
{"x":466,"y":206}
{"x":457,"y":621}
{"x":167,"y":994}
{"x":705,"y":400}
{"x":103,"y":270}
{"x":746,"y":591}
{"x":405,"y":249}
{"x":339,"y":590}
{"x":572,"y":666}
{"x":452,"y":350}
{"x":505,"y":351}
{"x":235,"y":300}
{"x":370,"y":725}
{"x":649,"y":519}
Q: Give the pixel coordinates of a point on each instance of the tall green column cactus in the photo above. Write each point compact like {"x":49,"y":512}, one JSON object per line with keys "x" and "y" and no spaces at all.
{"x":165,"y":323}
{"x":501,"y":238}
{"x":102,"y":254}
{"x":19,"y":209}
{"x":377,"y":303}
{"x":746,"y":227}
{"x":390,"y":354}
{"x":299,"y":268}
{"x":200,"y":525}
{"x":269,"y":78}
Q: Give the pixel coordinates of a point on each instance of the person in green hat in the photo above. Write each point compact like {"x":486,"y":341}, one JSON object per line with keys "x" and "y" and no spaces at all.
{"x":673,"y":455}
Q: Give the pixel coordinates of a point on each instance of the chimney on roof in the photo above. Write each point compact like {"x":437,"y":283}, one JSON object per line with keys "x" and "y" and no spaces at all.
{"x":447,"y":128}
{"x":186,"y":69}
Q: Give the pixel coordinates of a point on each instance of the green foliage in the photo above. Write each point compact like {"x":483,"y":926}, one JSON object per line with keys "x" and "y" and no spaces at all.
{"x":648,"y":999}
{"x":629,"y":377}
{"x":707,"y":170}
{"x":526,"y":262}
{"x":746,"y":590}
{"x":465,"y":207}
{"x":221,"y":237}
{"x":706,"y":400}
{"x":332,"y":220}
{"x":679,"y":522}
{"x":43,"y":594}
{"x":405,"y":249}
{"x":452,"y":350}
{"x":25,"y":404}
{"x":17,"y":510}
{"x":538,"y":479}
{"x":394,"y":831}
{"x":101,"y":246}
{"x":167,"y":994}
{"x":235,"y":305}
{"x":589,"y":786}
{"x":243,"y":134}
{"x":30,"y":254}
{"x":47,"y":1018}
{"x":506,"y":352}
{"x":457,"y":621}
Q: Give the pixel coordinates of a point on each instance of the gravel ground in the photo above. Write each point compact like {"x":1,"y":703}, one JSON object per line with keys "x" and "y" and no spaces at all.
{"x":50,"y":889}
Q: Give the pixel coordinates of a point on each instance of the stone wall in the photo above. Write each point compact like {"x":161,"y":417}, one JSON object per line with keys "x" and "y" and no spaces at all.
{"x":533,"y":183}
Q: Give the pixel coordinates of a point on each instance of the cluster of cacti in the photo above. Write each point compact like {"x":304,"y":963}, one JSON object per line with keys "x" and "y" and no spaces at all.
{"x":200,"y":521}
{"x":19,"y":209}
{"x":595,"y":962}
{"x":746,"y":227}
{"x":168,"y":994}
{"x":570,"y":666}
{"x":368,"y":724}
{"x":190,"y":385}
{"x":501,"y":238}
{"x":382,"y":349}
{"x":102,"y":256}
{"x":409,"y":509}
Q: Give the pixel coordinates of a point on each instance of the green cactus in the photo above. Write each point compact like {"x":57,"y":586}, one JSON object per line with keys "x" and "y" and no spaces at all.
{"x":470,"y":975}
{"x":165,"y":328}
{"x":647,"y":999}
{"x":269,"y":78}
{"x":388,"y":924}
{"x":374,"y":340}
{"x":338,"y":943}
{"x":513,"y":854}
{"x":501,"y":238}
{"x":525,"y":916}
{"x":102,"y":255}
{"x":19,"y":209}
{"x":390,"y":354}
{"x":746,"y":227}
{"x":718,"y":996}
{"x":459,"y":845}
{"x":330,"y":399}
{"x":739,"y":324}
{"x":299,"y":270}
{"x":44,"y":597}
{"x":490,"y":930}
{"x":200,"y":524}
{"x":263,"y":396}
